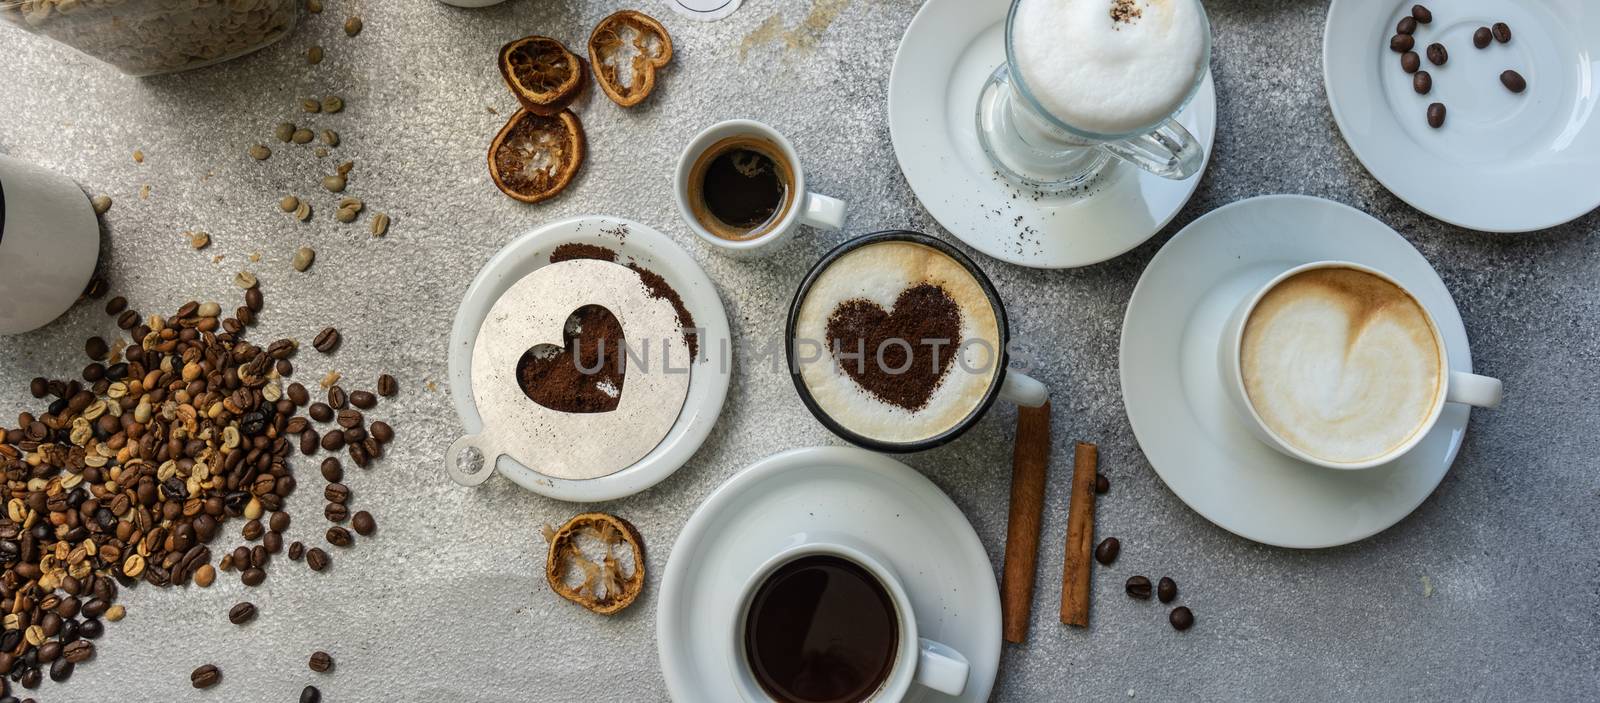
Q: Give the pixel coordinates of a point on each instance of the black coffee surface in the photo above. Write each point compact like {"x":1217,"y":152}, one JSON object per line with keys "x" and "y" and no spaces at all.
{"x":744,"y":188}
{"x":821,"y":630}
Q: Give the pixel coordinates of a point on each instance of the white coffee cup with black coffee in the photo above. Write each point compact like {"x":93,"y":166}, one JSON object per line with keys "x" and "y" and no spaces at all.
{"x":740,"y":187}
{"x":897,"y":342}
{"x":1339,"y":365}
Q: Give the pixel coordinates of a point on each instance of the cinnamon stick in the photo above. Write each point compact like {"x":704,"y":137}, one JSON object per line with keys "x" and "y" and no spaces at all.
{"x":1080,"y":536}
{"x":1030,"y":462}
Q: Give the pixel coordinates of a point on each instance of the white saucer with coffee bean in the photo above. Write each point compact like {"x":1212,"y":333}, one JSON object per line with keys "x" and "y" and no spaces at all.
{"x":1296,"y":372}
{"x":1516,"y":86}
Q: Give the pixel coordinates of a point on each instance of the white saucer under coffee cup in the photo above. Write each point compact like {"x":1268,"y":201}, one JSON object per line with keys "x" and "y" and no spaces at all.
{"x":1459,"y":387}
{"x":819,"y":211}
{"x":917,"y":661}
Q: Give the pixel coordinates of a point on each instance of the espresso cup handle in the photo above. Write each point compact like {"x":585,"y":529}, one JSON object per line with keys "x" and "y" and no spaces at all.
{"x":1475,"y":390}
{"x":1021,"y":389}
{"x":823,"y":212}
{"x":940,"y":668}
{"x":1170,"y":151}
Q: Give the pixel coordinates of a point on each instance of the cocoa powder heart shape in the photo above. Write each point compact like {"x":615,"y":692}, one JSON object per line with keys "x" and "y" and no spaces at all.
{"x":866,"y":342}
{"x":586,"y":374}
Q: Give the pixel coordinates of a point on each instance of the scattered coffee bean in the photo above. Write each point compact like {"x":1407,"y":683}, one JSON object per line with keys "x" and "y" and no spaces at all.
{"x":1437,"y":55}
{"x":333,"y":441}
{"x":116,"y":613}
{"x":1482,"y":37}
{"x":205,"y":576}
{"x":336,"y":493}
{"x":303,"y":258}
{"x":279,"y":522}
{"x":387,"y":386}
{"x":317,"y":559}
{"x":330,"y":137}
{"x":334,"y":183}
{"x":273,"y":542}
{"x":242,"y":613}
{"x":1422,"y":14}
{"x":332,"y":472}
{"x":326,"y":341}
{"x":260,"y":152}
{"x":101,"y":203}
{"x":205,"y":676}
{"x":1137,"y":587}
{"x":1181,"y":618}
{"x":314,"y":55}
{"x":1410,"y":62}
{"x":352,"y":26}
{"x":96,"y":348}
{"x":380,"y":225}
{"x":1436,"y":115}
{"x":1101,"y":484}
{"x":302,"y":136}
{"x":321,"y":412}
{"x":310,"y":694}
{"x":303,"y":212}
{"x":309,"y":441}
{"x":61,"y":670}
{"x":349,"y":417}
{"x":337,"y":397}
{"x":310,"y":105}
{"x":1502,"y":32}
{"x":297,"y":550}
{"x":1408,"y":25}
{"x":336,"y":512}
{"x":1513,"y":81}
{"x":1422,"y":82}
{"x":253,"y":530}
{"x":79,"y":651}
{"x":298,"y":395}
{"x":1401,"y":43}
{"x":314,"y":6}
{"x":345,"y":215}
{"x":332,"y":104}
{"x":382,"y":432}
{"x":1167,"y":589}
{"x":1107,"y":551}
{"x":339,"y":537}
{"x":321,"y":662}
{"x":253,"y":576}
{"x":363,"y":523}
{"x":363,"y":399}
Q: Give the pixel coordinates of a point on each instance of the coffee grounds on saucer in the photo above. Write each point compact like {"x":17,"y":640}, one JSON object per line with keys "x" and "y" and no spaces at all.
{"x":921,"y":312}
{"x":577,"y":379}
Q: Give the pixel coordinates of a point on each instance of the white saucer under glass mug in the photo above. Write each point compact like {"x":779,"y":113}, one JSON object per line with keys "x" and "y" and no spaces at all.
{"x":1030,"y":145}
{"x":1459,"y":386}
{"x":917,"y":661}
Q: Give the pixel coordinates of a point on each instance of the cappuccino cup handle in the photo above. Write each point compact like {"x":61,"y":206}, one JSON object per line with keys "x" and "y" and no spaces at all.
{"x":823,"y":212}
{"x":940,"y":668}
{"x":1475,"y":390}
{"x":1021,"y":389}
{"x":1170,"y":151}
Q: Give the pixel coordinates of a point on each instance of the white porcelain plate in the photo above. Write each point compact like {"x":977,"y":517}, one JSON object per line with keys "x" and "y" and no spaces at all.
{"x":1503,"y":162}
{"x":708,"y":381}
{"x":774,"y":504}
{"x":1175,"y":400}
{"x":946,"y":55}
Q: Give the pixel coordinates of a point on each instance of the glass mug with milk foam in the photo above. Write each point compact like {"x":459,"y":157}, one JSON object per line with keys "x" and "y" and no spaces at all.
{"x":1088,"y":81}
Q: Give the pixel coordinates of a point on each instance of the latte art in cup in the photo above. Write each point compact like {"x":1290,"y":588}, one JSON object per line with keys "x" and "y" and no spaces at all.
{"x":897,"y":342}
{"x":1110,"y":66}
{"x":1342,"y":364}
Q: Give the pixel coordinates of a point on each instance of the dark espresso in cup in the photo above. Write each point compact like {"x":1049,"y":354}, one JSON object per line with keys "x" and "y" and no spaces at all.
{"x":741,"y":187}
{"x":821,"y":629}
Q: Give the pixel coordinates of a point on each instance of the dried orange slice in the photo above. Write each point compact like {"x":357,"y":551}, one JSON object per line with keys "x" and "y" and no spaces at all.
{"x":542,"y":73}
{"x":534,"y":157}
{"x":625,"y":51}
{"x":609,"y":584}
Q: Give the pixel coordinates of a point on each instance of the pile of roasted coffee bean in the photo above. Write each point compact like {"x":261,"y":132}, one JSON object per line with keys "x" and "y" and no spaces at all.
{"x":1404,"y":41}
{"x":131,"y":472}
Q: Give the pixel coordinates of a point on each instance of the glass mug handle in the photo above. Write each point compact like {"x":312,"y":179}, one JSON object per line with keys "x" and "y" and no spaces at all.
{"x":1170,"y":151}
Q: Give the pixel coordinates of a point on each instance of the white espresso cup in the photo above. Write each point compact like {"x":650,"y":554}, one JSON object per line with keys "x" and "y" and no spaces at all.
{"x":799,"y":206}
{"x":1456,"y":386}
{"x":49,"y":243}
{"x":917,"y":661}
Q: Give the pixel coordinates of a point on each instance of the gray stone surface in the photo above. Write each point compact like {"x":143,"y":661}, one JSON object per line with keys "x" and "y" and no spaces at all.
{"x":447,"y":602}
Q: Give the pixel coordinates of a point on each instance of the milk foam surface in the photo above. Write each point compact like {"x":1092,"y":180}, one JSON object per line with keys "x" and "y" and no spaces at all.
{"x":1105,"y":75}
{"x":879,"y":273}
{"x":1341,"y":364}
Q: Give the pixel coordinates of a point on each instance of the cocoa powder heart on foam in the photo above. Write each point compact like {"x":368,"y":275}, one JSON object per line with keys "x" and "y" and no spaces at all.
{"x":922,"y":312}
{"x":555,"y":378}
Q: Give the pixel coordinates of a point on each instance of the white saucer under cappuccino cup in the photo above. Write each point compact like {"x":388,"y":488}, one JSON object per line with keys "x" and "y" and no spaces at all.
{"x":1339,"y":365}
{"x":917,"y":661}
